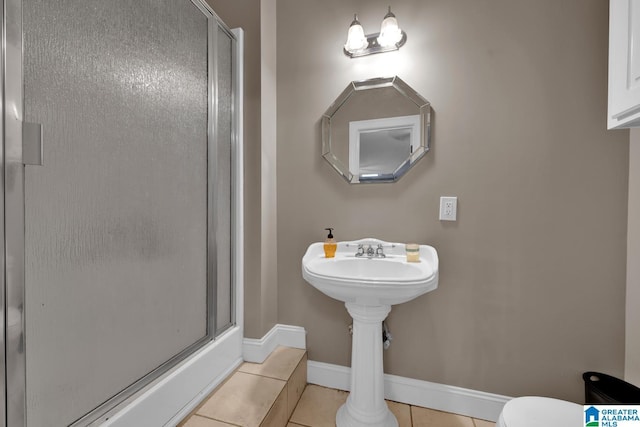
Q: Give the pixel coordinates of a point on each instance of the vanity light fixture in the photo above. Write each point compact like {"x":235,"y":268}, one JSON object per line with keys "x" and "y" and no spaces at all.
{"x":390,"y":37}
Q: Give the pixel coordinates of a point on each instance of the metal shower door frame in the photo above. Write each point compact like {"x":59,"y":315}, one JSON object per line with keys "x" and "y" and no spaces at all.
{"x":3,"y":365}
{"x":13,"y":410}
{"x":13,"y":176}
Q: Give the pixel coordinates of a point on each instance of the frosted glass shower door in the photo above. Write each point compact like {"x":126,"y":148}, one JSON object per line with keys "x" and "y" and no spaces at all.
{"x":127,"y":224}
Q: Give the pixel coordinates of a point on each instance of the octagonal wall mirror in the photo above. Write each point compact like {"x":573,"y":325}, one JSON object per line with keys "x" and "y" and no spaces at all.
{"x":376,"y":130}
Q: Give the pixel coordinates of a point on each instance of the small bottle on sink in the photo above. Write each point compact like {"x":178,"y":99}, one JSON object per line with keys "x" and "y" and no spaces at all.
{"x":330,"y":245}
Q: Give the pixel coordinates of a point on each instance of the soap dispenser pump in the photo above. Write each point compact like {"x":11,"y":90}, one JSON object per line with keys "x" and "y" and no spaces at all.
{"x":330,"y":245}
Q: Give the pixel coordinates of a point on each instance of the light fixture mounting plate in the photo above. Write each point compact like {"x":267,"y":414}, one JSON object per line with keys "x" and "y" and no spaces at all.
{"x":373,"y":47}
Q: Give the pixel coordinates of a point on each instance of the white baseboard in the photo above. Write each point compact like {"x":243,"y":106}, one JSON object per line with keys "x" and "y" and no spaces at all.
{"x":173,"y":397}
{"x":176,"y":394}
{"x":257,"y":350}
{"x":471,"y":403}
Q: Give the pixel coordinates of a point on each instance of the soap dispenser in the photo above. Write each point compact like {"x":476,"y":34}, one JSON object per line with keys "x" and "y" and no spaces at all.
{"x":330,"y":245}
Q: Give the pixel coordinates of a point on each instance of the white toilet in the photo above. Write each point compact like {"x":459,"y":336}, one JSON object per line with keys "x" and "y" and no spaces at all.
{"x":540,"y":411}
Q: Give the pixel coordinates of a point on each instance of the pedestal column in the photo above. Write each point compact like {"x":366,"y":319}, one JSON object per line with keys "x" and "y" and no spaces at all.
{"x":365,"y":406}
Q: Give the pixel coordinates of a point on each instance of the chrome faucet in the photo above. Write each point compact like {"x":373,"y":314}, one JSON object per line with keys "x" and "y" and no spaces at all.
{"x":370,"y":252}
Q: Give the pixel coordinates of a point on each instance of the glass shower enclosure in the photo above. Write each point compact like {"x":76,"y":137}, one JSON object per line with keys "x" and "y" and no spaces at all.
{"x":118,"y":131}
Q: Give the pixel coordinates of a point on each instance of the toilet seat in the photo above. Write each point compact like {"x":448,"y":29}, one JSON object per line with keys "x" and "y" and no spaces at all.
{"x":533,"y":411}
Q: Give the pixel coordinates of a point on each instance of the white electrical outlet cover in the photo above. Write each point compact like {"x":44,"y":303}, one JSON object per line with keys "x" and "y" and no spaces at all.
{"x":448,"y":208}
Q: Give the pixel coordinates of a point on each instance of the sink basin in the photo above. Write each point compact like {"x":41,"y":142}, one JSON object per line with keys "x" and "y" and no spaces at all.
{"x":371,"y":281}
{"x":369,"y":286}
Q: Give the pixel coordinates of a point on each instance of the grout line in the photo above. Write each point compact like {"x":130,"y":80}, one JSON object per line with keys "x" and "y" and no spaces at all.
{"x":215,"y":419}
{"x":272,"y":377}
{"x":297,"y":403}
{"x":264,"y":376}
{"x":284,"y":390}
{"x":298,"y":424}
{"x":301,"y":393}
{"x":411,"y":415}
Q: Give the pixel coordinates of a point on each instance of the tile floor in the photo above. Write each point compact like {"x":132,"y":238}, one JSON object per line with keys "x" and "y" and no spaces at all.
{"x":276,"y":394}
{"x":318,"y":406}
{"x":256,"y":395}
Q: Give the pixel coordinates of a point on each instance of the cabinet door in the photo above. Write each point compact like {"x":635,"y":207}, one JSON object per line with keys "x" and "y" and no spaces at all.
{"x":624,"y":64}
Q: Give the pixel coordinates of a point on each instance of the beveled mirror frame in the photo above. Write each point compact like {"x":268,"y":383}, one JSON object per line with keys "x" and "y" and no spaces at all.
{"x":423,"y":108}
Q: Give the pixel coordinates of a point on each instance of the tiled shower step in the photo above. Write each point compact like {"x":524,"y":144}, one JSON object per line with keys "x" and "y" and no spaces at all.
{"x":256,"y":395}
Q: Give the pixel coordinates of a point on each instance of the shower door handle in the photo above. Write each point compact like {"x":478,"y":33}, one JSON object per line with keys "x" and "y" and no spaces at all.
{"x":32,"y":143}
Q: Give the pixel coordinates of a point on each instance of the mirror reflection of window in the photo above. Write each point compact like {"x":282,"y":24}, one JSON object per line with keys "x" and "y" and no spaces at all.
{"x":380,"y":149}
{"x":383,"y":152}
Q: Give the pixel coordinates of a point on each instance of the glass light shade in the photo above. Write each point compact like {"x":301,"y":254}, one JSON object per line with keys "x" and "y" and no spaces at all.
{"x":356,"y":39}
{"x":390,"y":33}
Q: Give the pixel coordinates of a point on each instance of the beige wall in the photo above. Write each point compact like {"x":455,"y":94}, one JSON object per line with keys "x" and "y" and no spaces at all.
{"x":268,"y":207}
{"x":632,"y":354}
{"x":532,"y":275}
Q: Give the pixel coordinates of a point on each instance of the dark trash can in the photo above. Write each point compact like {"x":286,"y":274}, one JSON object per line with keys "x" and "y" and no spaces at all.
{"x":603,"y":389}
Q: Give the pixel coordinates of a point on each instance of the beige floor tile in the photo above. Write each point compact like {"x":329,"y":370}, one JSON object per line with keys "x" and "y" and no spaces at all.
{"x":294,"y":425}
{"x":245,"y":399}
{"x":402,"y":413}
{"x":277,"y":416}
{"x":318,"y":406}
{"x":280,"y":364}
{"x":198,"y":421}
{"x":423,"y":417}
{"x":483,"y":423}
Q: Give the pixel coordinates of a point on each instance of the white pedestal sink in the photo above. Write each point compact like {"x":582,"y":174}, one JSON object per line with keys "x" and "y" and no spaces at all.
{"x":369,"y":286}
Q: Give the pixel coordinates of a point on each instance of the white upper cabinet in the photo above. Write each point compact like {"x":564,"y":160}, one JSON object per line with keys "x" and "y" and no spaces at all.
{"x":624,"y":64}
